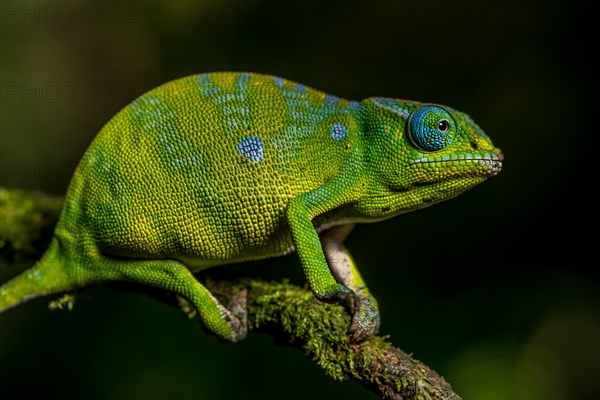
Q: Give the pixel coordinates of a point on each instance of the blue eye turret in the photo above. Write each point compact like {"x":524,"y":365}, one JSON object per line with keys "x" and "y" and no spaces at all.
{"x":431,"y":128}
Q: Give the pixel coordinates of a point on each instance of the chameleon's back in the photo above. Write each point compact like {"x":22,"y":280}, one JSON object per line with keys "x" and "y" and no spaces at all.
{"x":219,"y":168}
{"x":201,"y":168}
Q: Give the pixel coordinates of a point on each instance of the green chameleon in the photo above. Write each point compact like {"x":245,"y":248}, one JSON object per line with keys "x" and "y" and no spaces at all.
{"x":226,"y":167}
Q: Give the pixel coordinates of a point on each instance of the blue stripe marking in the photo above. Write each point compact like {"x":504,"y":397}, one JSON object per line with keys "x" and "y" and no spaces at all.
{"x":207,"y":88}
{"x":242,"y":81}
{"x":331,"y":99}
{"x":391,"y":105}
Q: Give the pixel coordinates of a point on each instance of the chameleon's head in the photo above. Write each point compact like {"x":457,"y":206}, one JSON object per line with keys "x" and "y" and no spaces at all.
{"x":423,"y":154}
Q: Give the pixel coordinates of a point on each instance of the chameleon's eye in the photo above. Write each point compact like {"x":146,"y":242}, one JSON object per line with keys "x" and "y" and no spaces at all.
{"x":443,"y":126}
{"x":431,"y":128}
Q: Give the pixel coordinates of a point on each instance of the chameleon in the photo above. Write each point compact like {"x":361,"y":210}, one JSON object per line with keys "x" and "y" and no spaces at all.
{"x":226,"y":167}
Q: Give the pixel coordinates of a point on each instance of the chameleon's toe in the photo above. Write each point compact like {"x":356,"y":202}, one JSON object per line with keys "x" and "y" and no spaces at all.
{"x":337,"y":293}
{"x":365,"y":320}
{"x":365,"y":314}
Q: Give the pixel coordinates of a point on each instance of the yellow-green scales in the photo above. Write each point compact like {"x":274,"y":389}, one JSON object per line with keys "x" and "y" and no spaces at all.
{"x":217,"y":168}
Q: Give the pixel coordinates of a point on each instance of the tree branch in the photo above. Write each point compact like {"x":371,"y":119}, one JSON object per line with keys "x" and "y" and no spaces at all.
{"x":289,"y":313}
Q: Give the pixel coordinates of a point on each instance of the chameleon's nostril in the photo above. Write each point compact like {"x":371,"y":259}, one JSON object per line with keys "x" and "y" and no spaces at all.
{"x":474,"y":145}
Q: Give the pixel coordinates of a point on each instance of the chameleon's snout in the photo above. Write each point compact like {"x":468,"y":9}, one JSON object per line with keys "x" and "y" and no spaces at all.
{"x":494,"y":163}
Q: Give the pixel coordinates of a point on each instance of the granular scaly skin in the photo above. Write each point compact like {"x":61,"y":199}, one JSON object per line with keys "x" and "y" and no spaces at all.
{"x":225,"y":167}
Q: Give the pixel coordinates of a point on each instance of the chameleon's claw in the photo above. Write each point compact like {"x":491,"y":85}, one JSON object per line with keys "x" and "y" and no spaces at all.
{"x":365,"y":315}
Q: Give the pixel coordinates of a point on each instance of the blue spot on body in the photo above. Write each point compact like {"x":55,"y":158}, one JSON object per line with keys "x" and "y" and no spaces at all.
{"x":331,"y":99}
{"x":300,"y":87}
{"x":338,"y":131}
{"x":278,"y":81}
{"x":251,"y":148}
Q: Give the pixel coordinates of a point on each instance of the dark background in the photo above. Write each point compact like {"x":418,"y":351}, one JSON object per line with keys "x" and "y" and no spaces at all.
{"x":492,"y":289}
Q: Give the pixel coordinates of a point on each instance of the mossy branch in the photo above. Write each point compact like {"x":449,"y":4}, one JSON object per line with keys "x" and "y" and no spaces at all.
{"x":289,"y":313}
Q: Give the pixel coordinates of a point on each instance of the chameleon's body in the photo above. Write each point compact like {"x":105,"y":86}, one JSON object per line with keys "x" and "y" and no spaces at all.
{"x":218,"y":168}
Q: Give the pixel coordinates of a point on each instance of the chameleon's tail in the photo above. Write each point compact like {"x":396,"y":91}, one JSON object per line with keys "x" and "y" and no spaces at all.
{"x":47,"y":276}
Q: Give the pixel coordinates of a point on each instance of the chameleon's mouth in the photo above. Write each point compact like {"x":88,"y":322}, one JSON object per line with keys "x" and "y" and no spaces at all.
{"x":490,"y":162}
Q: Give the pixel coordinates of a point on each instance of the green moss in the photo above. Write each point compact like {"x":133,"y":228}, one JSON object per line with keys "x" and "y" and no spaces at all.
{"x":27,"y":221}
{"x":293,"y":316}
{"x":289,"y":313}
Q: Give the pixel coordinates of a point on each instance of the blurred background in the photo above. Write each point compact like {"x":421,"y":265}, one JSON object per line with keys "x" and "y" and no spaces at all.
{"x":493,"y":290}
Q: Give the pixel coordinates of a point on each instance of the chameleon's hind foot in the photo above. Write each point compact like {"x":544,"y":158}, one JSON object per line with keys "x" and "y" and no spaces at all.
{"x":235,"y":315}
{"x":194,"y":299}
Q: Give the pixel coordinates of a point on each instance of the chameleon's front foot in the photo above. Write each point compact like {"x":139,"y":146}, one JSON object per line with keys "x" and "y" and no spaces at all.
{"x":365,"y":318}
{"x":365,"y":314}
{"x":330,"y":270}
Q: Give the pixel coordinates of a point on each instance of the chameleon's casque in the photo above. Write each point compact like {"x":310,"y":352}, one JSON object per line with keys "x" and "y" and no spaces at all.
{"x":224,"y":167}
